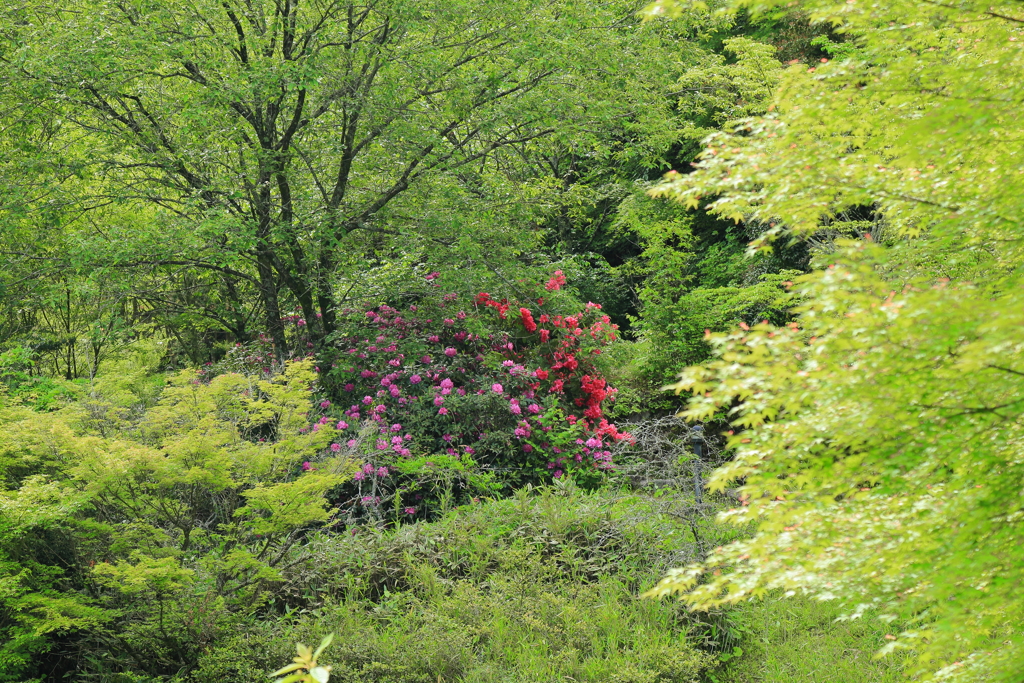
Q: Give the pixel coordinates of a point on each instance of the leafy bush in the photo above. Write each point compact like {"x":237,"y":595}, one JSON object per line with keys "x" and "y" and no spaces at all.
{"x":145,"y":546}
{"x":469,"y":387}
{"x":538,"y":587}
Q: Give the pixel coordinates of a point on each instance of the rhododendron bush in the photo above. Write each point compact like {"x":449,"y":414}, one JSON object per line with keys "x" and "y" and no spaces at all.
{"x":505,"y":387}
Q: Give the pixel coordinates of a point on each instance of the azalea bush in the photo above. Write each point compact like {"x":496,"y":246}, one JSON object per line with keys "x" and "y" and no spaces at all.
{"x":499,"y":392}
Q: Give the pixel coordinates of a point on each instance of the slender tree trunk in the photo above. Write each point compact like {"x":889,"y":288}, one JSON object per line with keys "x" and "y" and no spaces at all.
{"x":271,"y":306}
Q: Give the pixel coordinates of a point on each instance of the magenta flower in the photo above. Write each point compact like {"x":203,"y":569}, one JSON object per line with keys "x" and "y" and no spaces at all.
{"x":442,"y":411}
{"x":415,"y":379}
{"x":350,"y":387}
{"x":306,"y":466}
{"x":325,"y":404}
{"x":450,"y":352}
{"x":410,"y":511}
{"x":382,"y":472}
{"x":433,"y":338}
{"x":446,"y":383}
{"x":335,"y":447}
{"x":351,"y":443}
{"x":342,"y":425}
{"x":497,"y":388}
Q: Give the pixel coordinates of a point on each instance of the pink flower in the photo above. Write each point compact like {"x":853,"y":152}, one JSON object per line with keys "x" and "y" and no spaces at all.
{"x":556,"y":282}
{"x":533,"y":408}
{"x":433,"y":276}
{"x":306,"y":466}
{"x":450,"y":352}
{"x":342,"y":425}
{"x":367,"y":400}
{"x":446,"y":383}
{"x":442,"y":411}
{"x":396,"y":427}
{"x":358,"y":476}
{"x":350,"y":387}
{"x":497,"y":388}
{"x":382,"y":472}
{"x":425,"y":359}
{"x":410,"y":511}
{"x":449,"y":321}
{"x":325,"y":404}
{"x":415,"y":379}
{"x":460,"y":315}
{"x":335,"y":447}
{"x":433,"y":338}
{"x":351,"y":443}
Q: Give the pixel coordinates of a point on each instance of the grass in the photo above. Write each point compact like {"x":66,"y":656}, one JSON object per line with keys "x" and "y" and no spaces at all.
{"x":798,"y":640}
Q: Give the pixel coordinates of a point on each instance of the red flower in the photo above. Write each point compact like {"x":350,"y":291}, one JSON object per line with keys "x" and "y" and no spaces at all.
{"x":528,"y":322}
{"x":545,"y":335}
{"x":556,"y":282}
{"x":542,"y":374}
{"x":482,"y":297}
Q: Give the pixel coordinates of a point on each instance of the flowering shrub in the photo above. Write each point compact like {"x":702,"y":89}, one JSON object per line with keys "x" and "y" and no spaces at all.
{"x":516,"y":395}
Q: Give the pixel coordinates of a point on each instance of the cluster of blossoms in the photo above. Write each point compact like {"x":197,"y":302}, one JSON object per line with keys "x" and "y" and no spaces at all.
{"x":471,"y":382}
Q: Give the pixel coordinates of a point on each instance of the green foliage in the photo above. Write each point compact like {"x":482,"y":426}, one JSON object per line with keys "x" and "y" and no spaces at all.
{"x":880,"y":451}
{"x":799,"y":640}
{"x":307,"y":659}
{"x":537,"y":587}
{"x":154,"y":539}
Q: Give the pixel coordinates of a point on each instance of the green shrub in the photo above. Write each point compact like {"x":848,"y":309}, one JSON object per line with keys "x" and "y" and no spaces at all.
{"x":538,"y":587}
